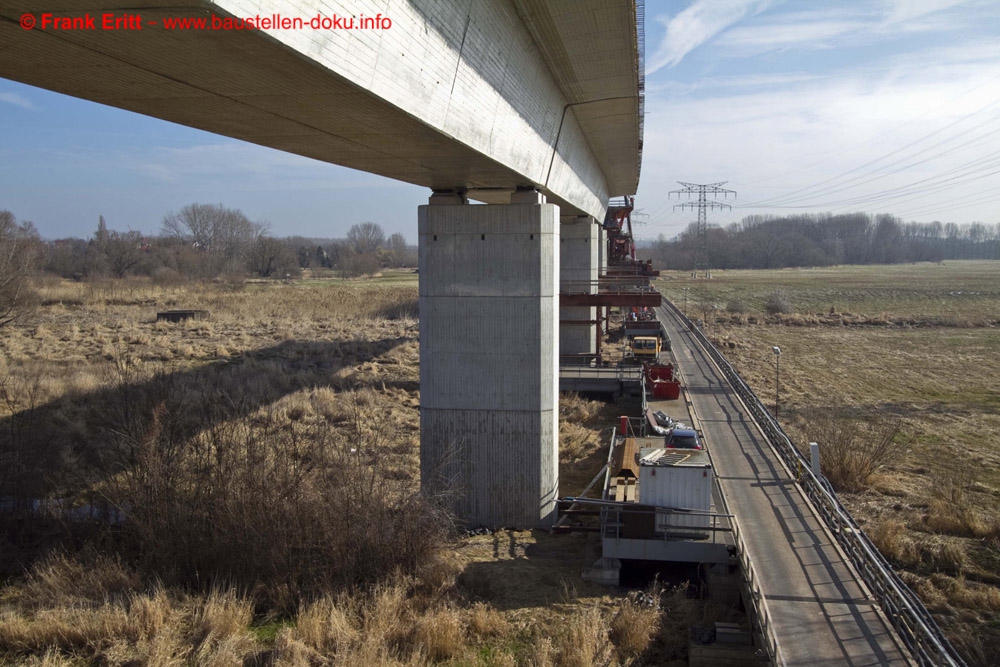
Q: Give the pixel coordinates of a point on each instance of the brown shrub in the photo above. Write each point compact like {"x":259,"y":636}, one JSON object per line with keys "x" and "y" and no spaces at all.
{"x":543,"y":652}
{"x":637,"y":622}
{"x":577,"y":409}
{"x":942,"y":556}
{"x":255,"y":499}
{"x":777,"y":302}
{"x":853,"y":450}
{"x":737,"y":306}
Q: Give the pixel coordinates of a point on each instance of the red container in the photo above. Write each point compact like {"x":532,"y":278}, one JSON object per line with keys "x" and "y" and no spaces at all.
{"x":667,"y":391}
{"x":660,"y":372}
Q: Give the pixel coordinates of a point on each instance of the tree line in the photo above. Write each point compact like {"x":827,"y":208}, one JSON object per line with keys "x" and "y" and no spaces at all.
{"x":205,"y":241}
{"x":199,"y":242}
{"x":771,"y":242}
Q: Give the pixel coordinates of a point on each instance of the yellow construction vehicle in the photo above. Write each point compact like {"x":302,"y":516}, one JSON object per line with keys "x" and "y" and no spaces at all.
{"x":644,"y":348}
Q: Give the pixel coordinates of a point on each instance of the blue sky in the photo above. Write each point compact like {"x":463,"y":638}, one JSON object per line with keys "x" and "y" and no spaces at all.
{"x":802,"y":106}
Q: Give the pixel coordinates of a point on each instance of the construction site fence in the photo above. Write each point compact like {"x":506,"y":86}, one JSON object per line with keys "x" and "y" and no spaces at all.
{"x":914,"y":624}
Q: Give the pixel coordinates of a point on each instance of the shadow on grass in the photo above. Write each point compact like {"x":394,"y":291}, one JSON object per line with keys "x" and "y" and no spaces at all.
{"x":529,"y":573}
{"x":67,"y":449}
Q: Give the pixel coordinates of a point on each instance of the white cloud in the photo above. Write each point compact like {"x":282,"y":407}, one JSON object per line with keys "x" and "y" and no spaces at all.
{"x":16,"y":100}
{"x":697,"y":24}
{"x":813,"y":34}
{"x":841,"y":138}
{"x":834,"y":26}
{"x":703,"y":84}
{"x":899,"y":11}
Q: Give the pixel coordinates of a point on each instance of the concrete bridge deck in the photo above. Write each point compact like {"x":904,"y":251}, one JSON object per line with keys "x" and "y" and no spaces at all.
{"x":820,"y":612}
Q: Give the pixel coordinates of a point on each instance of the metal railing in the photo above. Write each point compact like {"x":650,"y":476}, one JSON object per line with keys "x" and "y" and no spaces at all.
{"x":607,"y":284}
{"x":759,"y":611}
{"x":908,"y":615}
{"x":687,"y":526}
{"x":618,"y":373}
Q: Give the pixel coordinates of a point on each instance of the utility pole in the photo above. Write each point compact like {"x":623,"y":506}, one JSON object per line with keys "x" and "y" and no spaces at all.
{"x":701,"y":262}
{"x":777,"y":377}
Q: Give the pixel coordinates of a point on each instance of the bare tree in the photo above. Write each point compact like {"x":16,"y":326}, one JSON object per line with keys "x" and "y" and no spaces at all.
{"x":366,"y":237}
{"x":194,"y":224}
{"x":224,"y":233}
{"x":396,"y":250}
{"x":20,"y":248}
{"x":122,"y":251}
{"x":270,"y":257}
{"x":354,"y":265}
{"x":101,"y":237}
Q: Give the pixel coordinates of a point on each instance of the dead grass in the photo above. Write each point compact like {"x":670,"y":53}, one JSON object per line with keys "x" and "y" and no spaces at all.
{"x":921,"y":553}
{"x":280,"y":377}
{"x":397,"y":622}
{"x":440,"y":634}
{"x":485,"y":621}
{"x":584,"y":427}
{"x":58,"y":580}
{"x":326,"y":626}
{"x":636,"y":624}
{"x":584,"y":641}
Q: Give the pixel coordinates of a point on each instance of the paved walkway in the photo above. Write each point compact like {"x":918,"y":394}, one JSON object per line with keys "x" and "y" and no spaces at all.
{"x":822,"y":614}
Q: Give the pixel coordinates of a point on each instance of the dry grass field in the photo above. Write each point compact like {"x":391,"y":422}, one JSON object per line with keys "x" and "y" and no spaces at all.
{"x":266,"y":460}
{"x":865,"y":348}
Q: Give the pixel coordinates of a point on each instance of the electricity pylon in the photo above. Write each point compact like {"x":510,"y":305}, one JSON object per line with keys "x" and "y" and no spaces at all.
{"x":701,"y":262}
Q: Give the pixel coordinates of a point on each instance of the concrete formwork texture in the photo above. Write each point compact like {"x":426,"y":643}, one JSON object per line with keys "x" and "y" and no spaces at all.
{"x":489,"y":355}
{"x":578,"y":267}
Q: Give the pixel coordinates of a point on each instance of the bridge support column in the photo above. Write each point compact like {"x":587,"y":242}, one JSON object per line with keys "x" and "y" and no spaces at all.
{"x":489,"y":351}
{"x":602,"y":250}
{"x":578,"y":266}
{"x":602,"y":266}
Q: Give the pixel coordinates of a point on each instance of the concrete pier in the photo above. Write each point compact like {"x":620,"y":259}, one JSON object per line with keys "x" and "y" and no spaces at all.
{"x":489,"y":354}
{"x":578,"y":267}
{"x":602,"y":250}
{"x":602,"y":266}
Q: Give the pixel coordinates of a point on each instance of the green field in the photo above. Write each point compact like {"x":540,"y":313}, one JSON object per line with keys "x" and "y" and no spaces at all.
{"x":955,"y":289}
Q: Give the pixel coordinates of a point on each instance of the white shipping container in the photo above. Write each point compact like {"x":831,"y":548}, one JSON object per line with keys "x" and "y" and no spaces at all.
{"x":680,"y":479}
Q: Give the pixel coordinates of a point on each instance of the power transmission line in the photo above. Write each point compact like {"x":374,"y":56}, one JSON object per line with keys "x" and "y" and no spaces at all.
{"x":869,"y":170}
{"x":701,"y":261}
{"x":883,"y":134}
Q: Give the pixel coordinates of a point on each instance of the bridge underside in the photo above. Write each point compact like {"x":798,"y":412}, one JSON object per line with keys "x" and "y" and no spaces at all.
{"x":486,"y":96}
{"x":532,"y":104}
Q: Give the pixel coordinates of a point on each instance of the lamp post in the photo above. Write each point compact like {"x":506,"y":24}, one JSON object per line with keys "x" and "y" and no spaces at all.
{"x":777,"y":377}
{"x":685,"y":290}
